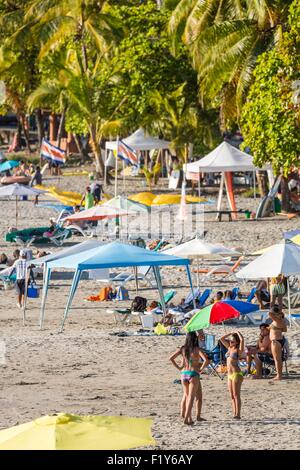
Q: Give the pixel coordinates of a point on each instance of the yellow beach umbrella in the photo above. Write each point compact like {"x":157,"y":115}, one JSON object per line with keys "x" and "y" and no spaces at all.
{"x":295,"y":239}
{"x":72,"y":432}
{"x":145,"y":198}
{"x":150,"y":199}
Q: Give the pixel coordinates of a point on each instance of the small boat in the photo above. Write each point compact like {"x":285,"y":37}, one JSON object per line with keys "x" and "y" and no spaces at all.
{"x":15,"y":179}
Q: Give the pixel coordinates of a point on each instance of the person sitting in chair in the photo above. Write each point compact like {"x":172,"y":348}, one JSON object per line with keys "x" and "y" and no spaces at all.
{"x":262,"y":293}
{"x":259,"y":353}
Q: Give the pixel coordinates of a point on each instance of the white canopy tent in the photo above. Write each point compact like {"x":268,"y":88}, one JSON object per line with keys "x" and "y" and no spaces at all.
{"x":283,"y":258}
{"x":140,"y":141}
{"x":225,"y":159}
{"x":196,"y":248}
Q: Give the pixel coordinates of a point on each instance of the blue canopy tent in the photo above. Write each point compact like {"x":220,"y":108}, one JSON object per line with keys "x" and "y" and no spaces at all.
{"x":111,"y":255}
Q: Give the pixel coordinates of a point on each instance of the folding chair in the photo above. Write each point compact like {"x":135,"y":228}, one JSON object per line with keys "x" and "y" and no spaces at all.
{"x":203,"y":297}
{"x":235,"y":292}
{"x":251,"y":295}
{"x":216,"y":355}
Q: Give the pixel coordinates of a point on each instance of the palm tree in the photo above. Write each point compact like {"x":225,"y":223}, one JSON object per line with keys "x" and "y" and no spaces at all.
{"x":84,"y":22}
{"x":181,"y":121}
{"x":79,"y":93}
{"x":224,"y":39}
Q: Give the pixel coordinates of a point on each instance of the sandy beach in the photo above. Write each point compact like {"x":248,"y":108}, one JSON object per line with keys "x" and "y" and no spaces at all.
{"x":87,"y":369}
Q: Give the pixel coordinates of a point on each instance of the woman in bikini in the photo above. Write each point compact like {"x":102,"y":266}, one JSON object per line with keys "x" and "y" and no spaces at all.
{"x":234,"y":342}
{"x":190,"y":369}
{"x":277,"y":327}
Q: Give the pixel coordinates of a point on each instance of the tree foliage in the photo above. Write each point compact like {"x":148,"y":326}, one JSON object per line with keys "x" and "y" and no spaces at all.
{"x":271,"y":120}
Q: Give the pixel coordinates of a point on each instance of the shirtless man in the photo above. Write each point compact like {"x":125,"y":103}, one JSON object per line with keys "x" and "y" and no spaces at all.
{"x":257,"y":352}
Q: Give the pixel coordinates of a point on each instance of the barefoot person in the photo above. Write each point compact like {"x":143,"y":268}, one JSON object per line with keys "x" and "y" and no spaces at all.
{"x":234,"y":342}
{"x":190,"y":376}
{"x":20,"y":267}
{"x":277,"y":327}
{"x":260,"y":352}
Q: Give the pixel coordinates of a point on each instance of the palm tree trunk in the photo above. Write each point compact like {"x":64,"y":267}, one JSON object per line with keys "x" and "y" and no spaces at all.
{"x":285,"y":195}
{"x":25,"y":131}
{"x":39,"y":125}
{"x":83,"y":153}
{"x":262,"y":183}
{"x":97,"y":153}
{"x":61,"y":127}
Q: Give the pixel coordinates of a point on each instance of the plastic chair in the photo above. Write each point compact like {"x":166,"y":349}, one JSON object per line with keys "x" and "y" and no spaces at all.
{"x":203,"y":297}
{"x":235,"y":292}
{"x":251,"y":295}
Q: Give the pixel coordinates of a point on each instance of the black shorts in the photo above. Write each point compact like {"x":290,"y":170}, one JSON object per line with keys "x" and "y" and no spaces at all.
{"x":266,"y":358}
{"x":21,"y":286}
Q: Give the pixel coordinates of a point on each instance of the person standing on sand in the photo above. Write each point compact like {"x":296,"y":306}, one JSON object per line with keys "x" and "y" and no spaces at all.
{"x":277,"y":327}
{"x":88,"y":199}
{"x":234,"y":342}
{"x":20,"y":266}
{"x":190,"y":376}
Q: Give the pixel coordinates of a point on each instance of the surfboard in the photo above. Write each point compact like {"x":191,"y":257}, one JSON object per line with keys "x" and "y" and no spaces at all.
{"x":228,"y":177}
{"x":266,"y":205}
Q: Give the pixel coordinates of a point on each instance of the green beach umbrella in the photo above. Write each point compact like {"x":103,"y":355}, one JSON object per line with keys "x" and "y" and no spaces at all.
{"x":210,"y":315}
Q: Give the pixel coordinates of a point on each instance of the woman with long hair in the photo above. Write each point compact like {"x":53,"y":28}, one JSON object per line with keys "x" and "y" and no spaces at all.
{"x":234,"y":343}
{"x":193,"y":362}
{"x":277,"y":327}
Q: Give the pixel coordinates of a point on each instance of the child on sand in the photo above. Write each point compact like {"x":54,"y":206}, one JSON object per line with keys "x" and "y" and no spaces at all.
{"x":190,"y":376}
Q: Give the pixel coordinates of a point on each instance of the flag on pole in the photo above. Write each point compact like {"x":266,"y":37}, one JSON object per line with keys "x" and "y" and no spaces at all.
{"x":52,"y":153}
{"x":127,"y":153}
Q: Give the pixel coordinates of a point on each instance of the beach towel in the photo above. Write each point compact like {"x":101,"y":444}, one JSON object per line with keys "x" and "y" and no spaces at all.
{"x":104,"y":294}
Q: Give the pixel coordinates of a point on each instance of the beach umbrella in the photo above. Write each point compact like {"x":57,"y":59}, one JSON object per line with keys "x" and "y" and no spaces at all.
{"x":18,"y":190}
{"x":242,"y":307}
{"x":97,"y":213}
{"x":150,"y":199}
{"x":73,"y":432}
{"x":196,"y":249}
{"x":211,"y":315}
{"x":8,"y":165}
{"x":123,"y":203}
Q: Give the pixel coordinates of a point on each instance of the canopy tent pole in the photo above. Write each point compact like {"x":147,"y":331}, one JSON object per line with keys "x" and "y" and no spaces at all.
{"x":16,"y":211}
{"x":136,"y":280}
{"x":105,"y":167}
{"x":47,"y":275}
{"x":25,"y":294}
{"x":289,"y":302}
{"x":199,"y":185}
{"x":219,"y":204}
{"x":198,"y":278}
{"x":254,"y":185}
{"x":116,"y":169}
{"x":160,"y":289}
{"x":191,"y":284}
{"x":75,"y":282}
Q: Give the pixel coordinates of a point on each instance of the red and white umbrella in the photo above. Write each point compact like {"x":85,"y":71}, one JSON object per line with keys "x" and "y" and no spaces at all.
{"x":98,"y":213}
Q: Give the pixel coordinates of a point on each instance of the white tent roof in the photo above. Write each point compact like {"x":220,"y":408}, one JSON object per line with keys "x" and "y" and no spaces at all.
{"x":71,"y":250}
{"x":200,"y":249}
{"x":283,"y":258}
{"x":223,"y":158}
{"x":140,"y":141}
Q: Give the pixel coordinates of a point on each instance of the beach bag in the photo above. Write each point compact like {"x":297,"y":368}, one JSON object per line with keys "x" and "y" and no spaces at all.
{"x":32,"y":291}
{"x":160,"y":329}
{"x":139,"y":304}
{"x":122,"y":293}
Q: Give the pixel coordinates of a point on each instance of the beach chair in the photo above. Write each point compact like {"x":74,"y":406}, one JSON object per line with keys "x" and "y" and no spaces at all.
{"x":294,"y":299}
{"x":224,"y":271}
{"x":257,"y":317}
{"x":203,"y":297}
{"x":235,"y":292}
{"x":295,"y":318}
{"x":268,"y":364}
{"x":144,"y":274}
{"x":59,"y":238}
{"x":251,"y":296}
{"x":216,"y":356}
